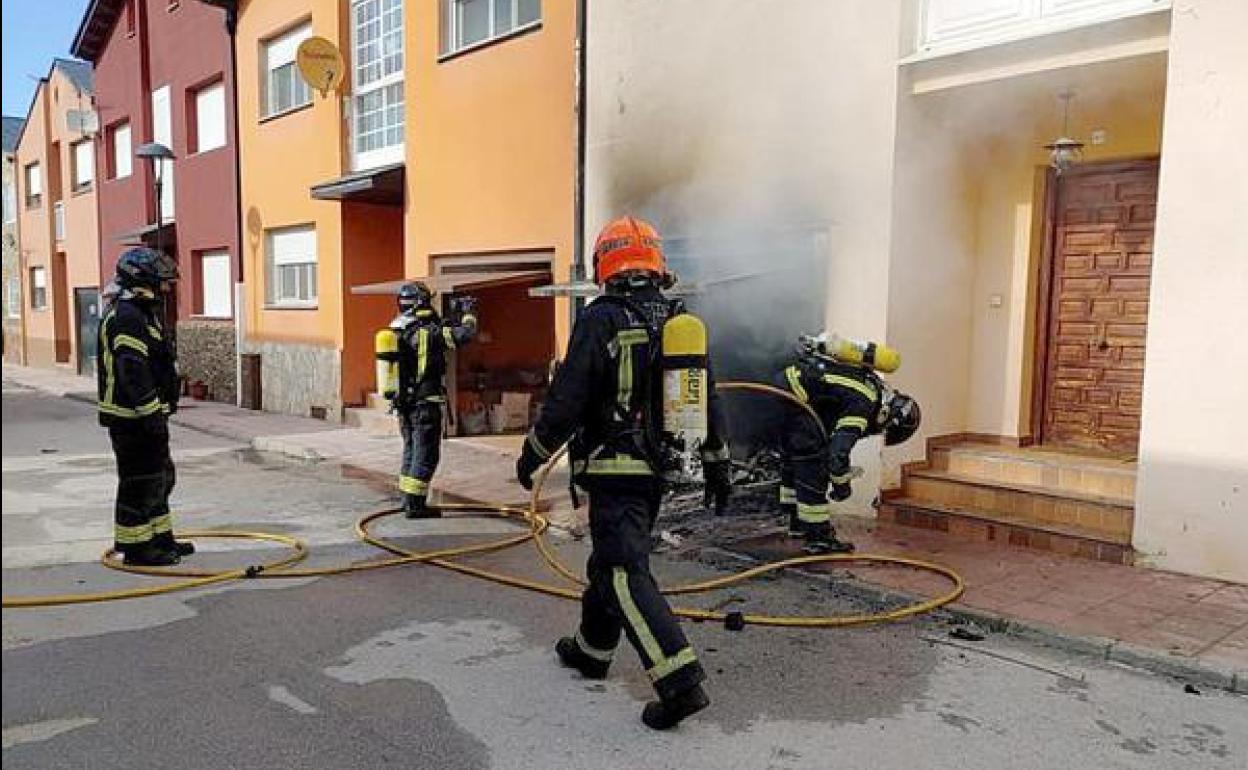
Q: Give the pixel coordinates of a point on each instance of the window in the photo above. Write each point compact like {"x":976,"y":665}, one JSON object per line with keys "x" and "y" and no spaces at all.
{"x":34,"y":186}
{"x":10,"y":201}
{"x":162,"y":132}
{"x":292,"y":266}
{"x":84,"y":164}
{"x":38,"y":288}
{"x":284,"y":88}
{"x":209,"y":118}
{"x":216,"y":285}
{"x":13,"y":297}
{"x":122,"y":154}
{"x":58,"y":220}
{"x":466,"y":23}
{"x":378,"y":73}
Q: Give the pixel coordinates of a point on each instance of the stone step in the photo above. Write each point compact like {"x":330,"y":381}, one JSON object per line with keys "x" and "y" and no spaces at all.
{"x":991,"y":526}
{"x":1104,"y":477}
{"x":375,"y":421}
{"x":1032,"y":504}
{"x":376,"y":401}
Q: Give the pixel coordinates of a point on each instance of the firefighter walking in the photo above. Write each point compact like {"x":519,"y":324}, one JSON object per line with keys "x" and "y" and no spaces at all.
{"x":138,"y":390}
{"x":411,"y":365}
{"x":606,"y":399}
{"x":835,"y":378}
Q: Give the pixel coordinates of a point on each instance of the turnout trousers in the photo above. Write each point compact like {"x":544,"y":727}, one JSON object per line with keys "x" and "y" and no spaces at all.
{"x":421,"y":427}
{"x":622,"y":595}
{"x":804,"y":469}
{"x":145,"y":479}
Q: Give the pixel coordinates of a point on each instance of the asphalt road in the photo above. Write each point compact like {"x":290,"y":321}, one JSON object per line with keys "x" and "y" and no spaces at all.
{"x":418,"y":667}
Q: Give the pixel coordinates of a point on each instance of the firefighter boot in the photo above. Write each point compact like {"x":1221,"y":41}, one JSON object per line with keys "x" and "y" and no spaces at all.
{"x":795,"y":524}
{"x":414,"y":508}
{"x":664,"y":714}
{"x":151,"y":555}
{"x":166,"y":541}
{"x":571,"y":655}
{"x":821,"y":539}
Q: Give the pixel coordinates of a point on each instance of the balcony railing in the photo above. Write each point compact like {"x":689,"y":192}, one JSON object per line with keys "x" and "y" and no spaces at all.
{"x":950,"y":26}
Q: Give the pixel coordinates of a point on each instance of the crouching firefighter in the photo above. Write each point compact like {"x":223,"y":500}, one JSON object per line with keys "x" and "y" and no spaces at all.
{"x":138,"y":390}
{"x":411,"y":364}
{"x":835,"y":378}
{"x":607,"y":399}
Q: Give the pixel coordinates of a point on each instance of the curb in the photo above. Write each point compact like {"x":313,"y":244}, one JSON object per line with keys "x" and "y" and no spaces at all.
{"x":1109,"y":650}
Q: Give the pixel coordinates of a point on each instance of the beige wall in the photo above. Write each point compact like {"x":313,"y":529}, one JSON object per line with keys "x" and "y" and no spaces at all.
{"x":1192,"y":495}
{"x":733,"y":126}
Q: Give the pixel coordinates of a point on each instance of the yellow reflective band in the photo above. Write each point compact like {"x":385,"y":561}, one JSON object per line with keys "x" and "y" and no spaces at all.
{"x":852,"y":384}
{"x":150,"y":407}
{"x":795,"y":383}
{"x":140,"y":533}
{"x":154,"y":331}
{"x":852,"y":422}
{"x":411,"y":485}
{"x":603,"y":655}
{"x":121,"y":411}
{"x":669,"y":665}
{"x":422,"y":354}
{"x":109,"y":379}
{"x":449,"y":336}
{"x":619,"y":466}
{"x":788,"y":495}
{"x":844,"y":479}
{"x":538,"y":449}
{"x":162,"y":524}
{"x":636,"y":620}
{"x":716,"y":455}
{"x":126,"y":341}
{"x":813,"y":514}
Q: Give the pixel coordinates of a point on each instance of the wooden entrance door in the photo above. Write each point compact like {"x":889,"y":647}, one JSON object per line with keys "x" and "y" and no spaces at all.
{"x":1102,"y":258}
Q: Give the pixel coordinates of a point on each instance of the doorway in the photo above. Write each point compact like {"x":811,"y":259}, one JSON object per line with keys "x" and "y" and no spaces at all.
{"x":87,"y":320}
{"x":1094,"y":310}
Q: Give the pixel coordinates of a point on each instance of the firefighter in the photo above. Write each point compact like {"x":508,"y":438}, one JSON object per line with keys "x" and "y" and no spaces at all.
{"x":852,"y":401}
{"x":138,"y":390}
{"x":422,"y":340}
{"x":606,"y":400}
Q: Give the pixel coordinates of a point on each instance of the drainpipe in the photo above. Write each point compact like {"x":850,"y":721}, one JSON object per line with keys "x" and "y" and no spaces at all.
{"x":240,"y":296}
{"x":579,"y":268}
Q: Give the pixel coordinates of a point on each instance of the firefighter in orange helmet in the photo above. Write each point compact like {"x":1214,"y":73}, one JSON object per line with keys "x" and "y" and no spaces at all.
{"x":606,"y":399}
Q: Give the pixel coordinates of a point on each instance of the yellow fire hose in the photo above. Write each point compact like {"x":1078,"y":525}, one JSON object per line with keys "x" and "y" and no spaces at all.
{"x":282,"y":568}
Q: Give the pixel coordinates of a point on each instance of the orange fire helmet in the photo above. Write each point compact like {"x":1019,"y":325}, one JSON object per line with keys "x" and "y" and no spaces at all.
{"x":628,"y":244}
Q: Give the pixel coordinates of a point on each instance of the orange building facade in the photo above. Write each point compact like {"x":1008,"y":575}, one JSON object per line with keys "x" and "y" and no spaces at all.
{"x":59,"y":244}
{"x":447,"y":155}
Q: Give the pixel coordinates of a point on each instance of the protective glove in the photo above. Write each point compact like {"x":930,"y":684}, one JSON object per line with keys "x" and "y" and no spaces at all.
{"x":717,"y":475}
{"x":527,"y":465}
{"x":838,"y":492}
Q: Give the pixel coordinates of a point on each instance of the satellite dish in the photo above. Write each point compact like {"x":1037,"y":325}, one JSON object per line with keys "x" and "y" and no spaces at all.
{"x":320,"y":62}
{"x":82,"y":122}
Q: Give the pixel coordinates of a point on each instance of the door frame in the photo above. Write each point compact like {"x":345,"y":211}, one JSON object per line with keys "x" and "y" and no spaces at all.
{"x":78,"y":330}
{"x":1044,"y":282}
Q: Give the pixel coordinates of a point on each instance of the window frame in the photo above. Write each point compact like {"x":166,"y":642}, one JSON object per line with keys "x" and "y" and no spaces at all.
{"x":389,"y":153}
{"x":39,"y":294}
{"x":32,"y":200}
{"x":13,"y":297}
{"x":449,"y":22}
{"x":10,"y":200}
{"x":201,"y":296}
{"x":266,"y":112}
{"x":306,"y":272}
{"x":114,"y":156}
{"x":77,"y":185}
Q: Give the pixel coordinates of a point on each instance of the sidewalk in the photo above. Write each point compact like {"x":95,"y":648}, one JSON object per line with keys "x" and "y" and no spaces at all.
{"x":1191,"y":627}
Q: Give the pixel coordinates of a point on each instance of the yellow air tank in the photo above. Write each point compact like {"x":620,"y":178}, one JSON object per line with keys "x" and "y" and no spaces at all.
{"x":386,"y":349}
{"x":882,"y":358}
{"x":685,"y":381}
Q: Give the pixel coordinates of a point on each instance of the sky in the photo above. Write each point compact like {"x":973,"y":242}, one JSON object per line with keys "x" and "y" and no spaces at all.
{"x":34,"y":32}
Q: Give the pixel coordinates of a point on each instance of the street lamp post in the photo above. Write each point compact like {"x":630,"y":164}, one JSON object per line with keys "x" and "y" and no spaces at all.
{"x":156,"y":154}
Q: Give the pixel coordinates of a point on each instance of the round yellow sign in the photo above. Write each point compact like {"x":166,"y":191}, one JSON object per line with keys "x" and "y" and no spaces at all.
{"x":320,"y":63}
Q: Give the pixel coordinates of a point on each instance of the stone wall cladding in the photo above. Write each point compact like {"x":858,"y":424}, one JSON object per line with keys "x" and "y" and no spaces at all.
{"x":295,"y":379}
{"x":206,"y":353}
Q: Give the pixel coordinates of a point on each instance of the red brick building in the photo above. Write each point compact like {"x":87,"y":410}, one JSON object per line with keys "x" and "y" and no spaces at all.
{"x":163,"y":74}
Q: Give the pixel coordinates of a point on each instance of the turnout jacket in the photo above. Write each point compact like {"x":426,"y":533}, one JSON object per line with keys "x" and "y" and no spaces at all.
{"x":136,"y":372}
{"x":846,"y":398}
{"x":606,"y":398}
{"x":424,"y":339}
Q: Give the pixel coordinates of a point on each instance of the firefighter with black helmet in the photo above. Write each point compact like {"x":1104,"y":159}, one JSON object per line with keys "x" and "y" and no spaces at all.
{"x":138,"y":390}
{"x":852,"y":402}
{"x":606,"y":399}
{"x":411,"y":360}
